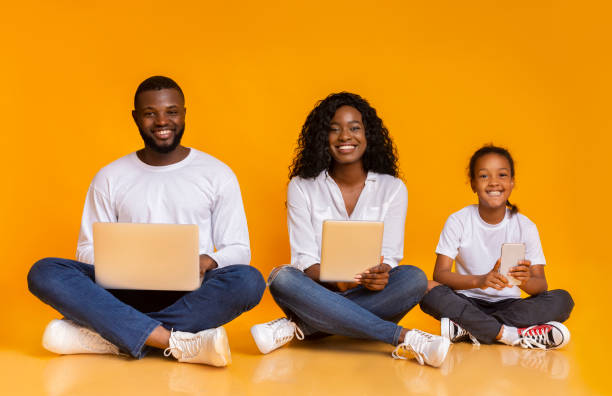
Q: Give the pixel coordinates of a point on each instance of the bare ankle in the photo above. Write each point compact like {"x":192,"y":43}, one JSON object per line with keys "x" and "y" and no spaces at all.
{"x":159,"y":338}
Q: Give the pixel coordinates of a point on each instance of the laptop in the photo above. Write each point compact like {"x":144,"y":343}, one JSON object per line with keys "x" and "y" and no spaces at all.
{"x":146,"y":256}
{"x":348,"y":248}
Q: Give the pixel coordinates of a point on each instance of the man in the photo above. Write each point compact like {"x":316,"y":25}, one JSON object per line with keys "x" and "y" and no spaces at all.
{"x":164,"y":182}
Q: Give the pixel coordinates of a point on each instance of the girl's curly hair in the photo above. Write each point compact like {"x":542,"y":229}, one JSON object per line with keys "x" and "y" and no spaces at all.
{"x":312,"y":152}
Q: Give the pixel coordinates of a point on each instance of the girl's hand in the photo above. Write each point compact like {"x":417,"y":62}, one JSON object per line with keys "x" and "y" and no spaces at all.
{"x":522,"y":271}
{"x":375,"y":278}
{"x":493,"y":279}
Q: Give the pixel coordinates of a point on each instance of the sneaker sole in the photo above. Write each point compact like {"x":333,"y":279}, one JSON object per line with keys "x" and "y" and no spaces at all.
{"x":222,"y":348}
{"x":446,"y":345}
{"x":256,"y":334}
{"x":50,"y":337}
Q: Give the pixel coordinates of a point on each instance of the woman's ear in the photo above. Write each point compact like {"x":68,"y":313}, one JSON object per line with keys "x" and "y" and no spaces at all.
{"x":472,"y":185}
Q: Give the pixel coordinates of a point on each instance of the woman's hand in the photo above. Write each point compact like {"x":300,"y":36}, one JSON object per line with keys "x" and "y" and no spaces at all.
{"x":375,"y":278}
{"x":314,"y":272}
{"x":493,"y":279}
{"x":522,"y":271}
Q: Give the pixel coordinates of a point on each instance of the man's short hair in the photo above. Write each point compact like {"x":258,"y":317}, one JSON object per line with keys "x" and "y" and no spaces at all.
{"x":157,"y":83}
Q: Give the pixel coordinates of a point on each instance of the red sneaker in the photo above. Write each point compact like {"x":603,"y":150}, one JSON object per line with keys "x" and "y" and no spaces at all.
{"x":550,"y":335}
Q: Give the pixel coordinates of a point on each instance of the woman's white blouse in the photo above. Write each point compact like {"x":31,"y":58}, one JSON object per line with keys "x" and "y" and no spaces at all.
{"x":312,"y":201}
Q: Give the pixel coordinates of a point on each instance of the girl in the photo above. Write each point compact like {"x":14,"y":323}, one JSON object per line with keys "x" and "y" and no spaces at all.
{"x":477,"y":301}
{"x":346,"y":169}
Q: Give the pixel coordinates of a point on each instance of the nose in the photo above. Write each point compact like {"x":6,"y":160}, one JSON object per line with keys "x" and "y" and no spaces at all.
{"x":344,"y":135}
{"x":161,"y":119}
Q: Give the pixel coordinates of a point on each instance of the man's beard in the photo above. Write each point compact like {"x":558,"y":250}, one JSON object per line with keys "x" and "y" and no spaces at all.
{"x":150,"y":142}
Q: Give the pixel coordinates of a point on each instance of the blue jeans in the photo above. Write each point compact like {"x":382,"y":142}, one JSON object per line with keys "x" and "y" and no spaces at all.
{"x":69,"y":287}
{"x":357,"y":312}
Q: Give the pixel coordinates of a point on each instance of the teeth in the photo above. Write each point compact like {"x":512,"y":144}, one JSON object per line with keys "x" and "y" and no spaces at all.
{"x":164,"y":132}
{"x":347,"y":147}
{"x":494,"y":193}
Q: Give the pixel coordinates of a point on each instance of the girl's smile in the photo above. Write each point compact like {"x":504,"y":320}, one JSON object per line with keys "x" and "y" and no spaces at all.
{"x":493,"y":182}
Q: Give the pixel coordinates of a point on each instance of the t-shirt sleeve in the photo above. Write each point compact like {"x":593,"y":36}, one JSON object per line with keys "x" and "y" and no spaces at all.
{"x":304,"y":247}
{"x":98,"y":209}
{"x":533,"y":246}
{"x":450,"y":238}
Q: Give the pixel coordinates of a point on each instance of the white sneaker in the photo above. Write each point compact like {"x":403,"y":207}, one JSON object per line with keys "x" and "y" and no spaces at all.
{"x":550,"y":335}
{"x":272,"y":335}
{"x":427,"y":348}
{"x":207,"y":346}
{"x":454,"y":332}
{"x":66,"y":337}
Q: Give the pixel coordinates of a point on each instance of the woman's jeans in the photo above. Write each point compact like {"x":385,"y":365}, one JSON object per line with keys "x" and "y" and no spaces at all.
{"x":357,"y":312}
{"x":69,"y":287}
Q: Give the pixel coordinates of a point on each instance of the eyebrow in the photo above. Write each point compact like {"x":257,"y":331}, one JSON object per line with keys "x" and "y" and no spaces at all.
{"x":350,"y":122}
{"x":485,"y":169}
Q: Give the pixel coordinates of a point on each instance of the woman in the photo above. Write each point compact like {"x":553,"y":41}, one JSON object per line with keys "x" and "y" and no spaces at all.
{"x":346,"y":169}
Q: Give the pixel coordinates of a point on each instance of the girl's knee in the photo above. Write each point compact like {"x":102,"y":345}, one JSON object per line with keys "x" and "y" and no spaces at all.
{"x":564,"y":301}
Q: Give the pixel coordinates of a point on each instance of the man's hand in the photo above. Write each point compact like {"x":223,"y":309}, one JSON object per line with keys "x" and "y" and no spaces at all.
{"x":375,"y":278}
{"x":206,"y":263}
{"x":493,"y":279}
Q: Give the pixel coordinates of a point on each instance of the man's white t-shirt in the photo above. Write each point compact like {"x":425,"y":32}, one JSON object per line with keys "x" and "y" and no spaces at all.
{"x":476,"y":245}
{"x":314,"y":200}
{"x":200,"y":190}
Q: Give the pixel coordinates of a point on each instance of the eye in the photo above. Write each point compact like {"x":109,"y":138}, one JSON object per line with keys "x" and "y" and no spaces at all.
{"x":483,"y":176}
{"x":173,"y":112}
{"x":355,"y":128}
{"x":149,"y":114}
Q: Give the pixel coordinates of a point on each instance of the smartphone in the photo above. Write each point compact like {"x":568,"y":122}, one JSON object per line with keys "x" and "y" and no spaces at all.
{"x":511,"y":254}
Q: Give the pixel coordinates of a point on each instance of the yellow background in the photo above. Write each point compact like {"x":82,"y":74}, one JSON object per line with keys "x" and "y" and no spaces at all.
{"x":445,"y":76}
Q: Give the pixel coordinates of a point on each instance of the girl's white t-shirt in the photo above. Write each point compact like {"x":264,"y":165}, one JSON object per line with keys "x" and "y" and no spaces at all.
{"x":476,"y":245}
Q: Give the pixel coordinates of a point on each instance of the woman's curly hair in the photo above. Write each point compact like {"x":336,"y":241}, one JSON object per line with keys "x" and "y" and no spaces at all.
{"x":312,"y":152}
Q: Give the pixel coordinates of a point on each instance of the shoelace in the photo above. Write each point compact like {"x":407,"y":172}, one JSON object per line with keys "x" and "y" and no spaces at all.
{"x":284,"y":332}
{"x":95,"y":342}
{"x":414,"y":342}
{"x":462,"y":333}
{"x":188,"y":347}
{"x":534,"y":337}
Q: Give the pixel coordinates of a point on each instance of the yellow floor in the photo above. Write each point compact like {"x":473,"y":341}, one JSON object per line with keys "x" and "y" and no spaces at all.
{"x":335,"y":365}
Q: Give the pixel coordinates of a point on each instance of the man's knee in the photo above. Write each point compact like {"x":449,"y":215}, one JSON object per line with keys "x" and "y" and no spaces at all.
{"x":249,"y":284}
{"x":41,"y":274}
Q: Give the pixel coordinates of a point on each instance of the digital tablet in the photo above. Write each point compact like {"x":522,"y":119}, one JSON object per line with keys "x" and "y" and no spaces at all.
{"x":348,"y":248}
